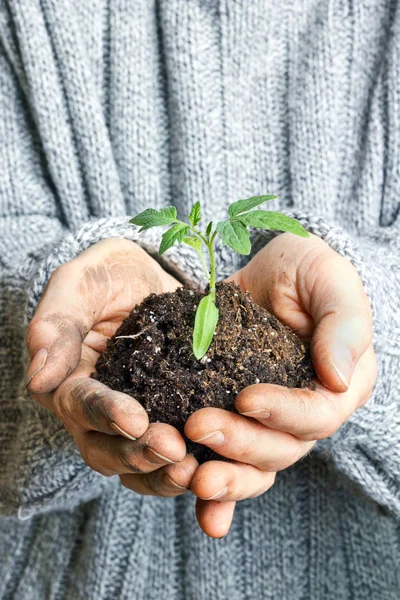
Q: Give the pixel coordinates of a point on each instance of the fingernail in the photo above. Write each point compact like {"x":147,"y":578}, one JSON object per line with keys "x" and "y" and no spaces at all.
{"x":342,"y":362}
{"x":258,"y":414}
{"x":219,"y":494}
{"x":154,"y":458}
{"x":122,"y":431}
{"x":216,"y":438}
{"x":346,"y":336}
{"x":171,"y":482}
{"x":37,"y":363}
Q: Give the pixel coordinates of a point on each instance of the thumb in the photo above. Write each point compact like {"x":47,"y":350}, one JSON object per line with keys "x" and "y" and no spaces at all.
{"x":54,"y":336}
{"x":343,"y":330}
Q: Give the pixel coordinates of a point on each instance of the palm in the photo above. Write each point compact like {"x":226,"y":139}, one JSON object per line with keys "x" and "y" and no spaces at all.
{"x":275,"y":279}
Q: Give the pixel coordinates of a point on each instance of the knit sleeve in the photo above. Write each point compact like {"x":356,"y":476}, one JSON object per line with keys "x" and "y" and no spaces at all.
{"x":367,"y":447}
{"x":40,"y":467}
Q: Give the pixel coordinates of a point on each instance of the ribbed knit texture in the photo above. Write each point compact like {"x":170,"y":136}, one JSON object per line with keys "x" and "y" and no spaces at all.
{"x":107,"y":108}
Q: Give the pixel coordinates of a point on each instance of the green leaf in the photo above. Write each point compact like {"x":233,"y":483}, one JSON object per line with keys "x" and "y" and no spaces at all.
{"x":204,"y":325}
{"x":235,"y":235}
{"x":243,"y":205}
{"x":209,"y":228}
{"x":264,"y":219}
{"x":193,"y":241}
{"x":195,"y":214}
{"x":175,"y":234}
{"x":153,"y":218}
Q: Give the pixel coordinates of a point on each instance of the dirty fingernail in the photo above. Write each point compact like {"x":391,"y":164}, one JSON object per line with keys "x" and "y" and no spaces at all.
{"x":216,"y":438}
{"x":122,"y":431}
{"x":36,"y":365}
{"x":155,"y":458}
{"x":176,"y":485}
{"x":219,"y":494}
{"x":257,"y":414}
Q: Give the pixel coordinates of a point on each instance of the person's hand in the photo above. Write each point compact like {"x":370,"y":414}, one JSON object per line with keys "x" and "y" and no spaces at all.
{"x":84,"y":303}
{"x":319,"y":294}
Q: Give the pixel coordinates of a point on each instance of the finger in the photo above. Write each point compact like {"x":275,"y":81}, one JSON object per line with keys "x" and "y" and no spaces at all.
{"x":309,"y":414}
{"x":84,"y":403}
{"x":174,"y":480}
{"x":215,"y":518}
{"x":98,"y":341}
{"x":61,"y":321}
{"x":245,"y":440}
{"x":160,"y":445}
{"x":85,"y":369}
{"x":169,"y":481}
{"x":342,"y":316}
{"x":225,"y":482}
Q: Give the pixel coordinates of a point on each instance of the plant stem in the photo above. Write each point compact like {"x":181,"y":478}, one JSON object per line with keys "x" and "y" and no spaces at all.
{"x":210,"y":246}
{"x":200,"y":252}
{"x":209,"y":242}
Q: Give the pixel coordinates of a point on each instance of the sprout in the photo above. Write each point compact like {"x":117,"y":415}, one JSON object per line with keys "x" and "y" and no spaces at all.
{"x":234,"y":233}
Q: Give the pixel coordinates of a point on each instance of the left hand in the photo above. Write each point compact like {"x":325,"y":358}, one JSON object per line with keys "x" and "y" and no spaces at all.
{"x":319,"y":294}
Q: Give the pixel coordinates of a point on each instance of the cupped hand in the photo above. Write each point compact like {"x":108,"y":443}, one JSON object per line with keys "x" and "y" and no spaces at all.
{"x":84,"y":303}
{"x":319,"y":295}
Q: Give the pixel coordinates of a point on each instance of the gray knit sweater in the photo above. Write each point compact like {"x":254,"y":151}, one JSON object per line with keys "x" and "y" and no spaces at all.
{"x":108,"y":107}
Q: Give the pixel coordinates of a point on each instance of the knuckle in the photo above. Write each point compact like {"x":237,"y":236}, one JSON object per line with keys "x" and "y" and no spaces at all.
{"x":93,"y":402}
{"x":326,"y":411}
{"x":91,"y":399}
{"x":326,"y":430}
{"x":34,"y":329}
{"x":285,"y":460}
{"x":245,"y":443}
{"x":304,"y":406}
{"x":156,"y":486}
{"x":125,"y":451}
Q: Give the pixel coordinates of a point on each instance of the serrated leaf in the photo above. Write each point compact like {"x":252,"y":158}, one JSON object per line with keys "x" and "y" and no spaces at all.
{"x":204,"y":326}
{"x":195,"y":214}
{"x":209,"y":228}
{"x":263,"y":219}
{"x":193,"y":241}
{"x":243,"y":205}
{"x":175,"y":234}
{"x":235,"y":235}
{"x":153,"y":218}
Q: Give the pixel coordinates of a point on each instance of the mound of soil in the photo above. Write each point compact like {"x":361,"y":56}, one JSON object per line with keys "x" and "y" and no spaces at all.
{"x":150,"y":357}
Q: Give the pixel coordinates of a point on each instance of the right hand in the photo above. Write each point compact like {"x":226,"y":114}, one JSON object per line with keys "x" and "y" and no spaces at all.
{"x":82,"y":306}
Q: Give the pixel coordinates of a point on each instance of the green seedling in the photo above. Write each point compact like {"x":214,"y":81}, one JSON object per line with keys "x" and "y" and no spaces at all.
{"x":234,"y":233}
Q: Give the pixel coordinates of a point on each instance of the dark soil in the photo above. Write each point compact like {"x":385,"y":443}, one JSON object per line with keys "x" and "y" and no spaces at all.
{"x":158,"y":368}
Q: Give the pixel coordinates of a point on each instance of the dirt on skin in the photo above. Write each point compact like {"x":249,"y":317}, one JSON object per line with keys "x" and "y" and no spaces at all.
{"x":157,"y":367}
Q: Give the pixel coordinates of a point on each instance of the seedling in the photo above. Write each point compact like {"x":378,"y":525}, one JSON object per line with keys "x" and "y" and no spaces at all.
{"x":234,"y":233}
